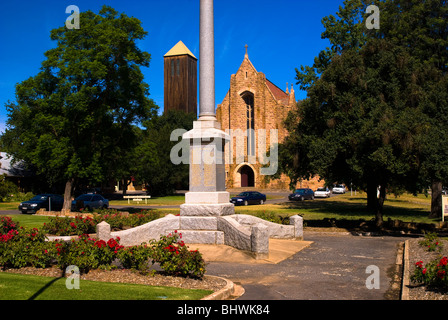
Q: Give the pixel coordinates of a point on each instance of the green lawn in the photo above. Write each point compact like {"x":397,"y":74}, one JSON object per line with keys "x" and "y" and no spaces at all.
{"x":154,"y":201}
{"x":30,"y":220}
{"x":166,"y":201}
{"x":406,"y":208}
{"x":9,"y":206}
{"x":29,"y":287}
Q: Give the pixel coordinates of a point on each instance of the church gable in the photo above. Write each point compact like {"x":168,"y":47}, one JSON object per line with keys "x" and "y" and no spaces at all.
{"x":253,"y":102}
{"x":246,"y":77}
{"x":270,"y":103}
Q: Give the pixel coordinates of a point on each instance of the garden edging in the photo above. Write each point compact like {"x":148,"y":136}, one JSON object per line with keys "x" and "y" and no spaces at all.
{"x":225,"y":293}
{"x":406,"y":280}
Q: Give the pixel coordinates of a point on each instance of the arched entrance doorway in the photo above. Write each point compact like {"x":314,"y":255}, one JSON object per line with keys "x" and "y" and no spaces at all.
{"x":247,"y":177}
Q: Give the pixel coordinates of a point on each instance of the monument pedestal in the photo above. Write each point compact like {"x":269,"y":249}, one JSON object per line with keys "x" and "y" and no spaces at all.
{"x":207,"y":210}
{"x":208,"y":195}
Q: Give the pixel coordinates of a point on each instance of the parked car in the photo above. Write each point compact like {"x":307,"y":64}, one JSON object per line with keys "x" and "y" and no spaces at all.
{"x":90,"y":201}
{"x":339,"y":188}
{"x":302,"y":194}
{"x":46,"y":201}
{"x":322,"y":193}
{"x":248,"y":197}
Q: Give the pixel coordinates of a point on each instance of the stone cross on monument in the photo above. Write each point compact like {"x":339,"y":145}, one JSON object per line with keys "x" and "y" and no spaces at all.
{"x":207,"y":195}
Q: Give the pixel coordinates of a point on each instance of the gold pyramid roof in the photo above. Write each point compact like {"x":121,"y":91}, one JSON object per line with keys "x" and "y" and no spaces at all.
{"x":179,"y":49}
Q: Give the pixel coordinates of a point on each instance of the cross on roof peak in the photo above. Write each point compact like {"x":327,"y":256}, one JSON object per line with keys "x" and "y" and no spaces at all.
{"x":246,"y":46}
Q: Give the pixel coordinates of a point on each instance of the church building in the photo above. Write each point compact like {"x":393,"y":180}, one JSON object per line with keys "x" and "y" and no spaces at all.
{"x":253,"y":106}
{"x":253,"y":103}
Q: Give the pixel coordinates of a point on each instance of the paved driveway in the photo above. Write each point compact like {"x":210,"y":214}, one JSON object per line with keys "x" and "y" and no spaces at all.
{"x":333,"y":267}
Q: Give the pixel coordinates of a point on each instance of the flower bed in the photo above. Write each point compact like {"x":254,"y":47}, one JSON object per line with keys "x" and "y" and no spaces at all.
{"x":22,"y":247}
{"x":85,"y":224}
{"x":428,"y":268}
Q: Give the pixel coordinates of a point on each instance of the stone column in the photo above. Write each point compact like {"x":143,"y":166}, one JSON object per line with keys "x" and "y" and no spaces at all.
{"x":103,"y":231}
{"x":297,"y":222}
{"x":206,"y":60}
{"x":259,"y":239}
{"x":207,"y":196}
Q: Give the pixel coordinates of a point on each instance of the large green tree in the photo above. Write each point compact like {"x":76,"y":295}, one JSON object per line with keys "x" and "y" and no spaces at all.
{"x":75,"y":117}
{"x":422,"y":27}
{"x":413,"y":34}
{"x":362,"y":118}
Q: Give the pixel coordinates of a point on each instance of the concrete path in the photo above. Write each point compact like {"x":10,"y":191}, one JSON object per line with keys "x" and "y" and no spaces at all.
{"x":332,"y":267}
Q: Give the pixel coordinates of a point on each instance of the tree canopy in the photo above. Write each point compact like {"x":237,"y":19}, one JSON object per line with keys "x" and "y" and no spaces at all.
{"x":74,"y":117}
{"x":156,"y":169}
{"x":376,"y":101}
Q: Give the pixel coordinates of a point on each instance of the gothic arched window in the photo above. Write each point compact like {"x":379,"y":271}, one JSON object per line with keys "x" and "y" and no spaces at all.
{"x":248,"y":98}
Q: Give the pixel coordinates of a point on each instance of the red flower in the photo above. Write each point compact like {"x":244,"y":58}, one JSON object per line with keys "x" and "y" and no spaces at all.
{"x":100,"y":244}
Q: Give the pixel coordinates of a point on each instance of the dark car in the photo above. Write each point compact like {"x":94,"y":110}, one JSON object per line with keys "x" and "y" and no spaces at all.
{"x":302,"y":194}
{"x":90,"y":201}
{"x":50,"y":202}
{"x":248,"y":197}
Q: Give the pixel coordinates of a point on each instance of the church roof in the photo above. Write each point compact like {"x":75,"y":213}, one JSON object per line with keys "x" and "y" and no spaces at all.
{"x":278,"y":93}
{"x":12,"y":170}
{"x":179,"y":49}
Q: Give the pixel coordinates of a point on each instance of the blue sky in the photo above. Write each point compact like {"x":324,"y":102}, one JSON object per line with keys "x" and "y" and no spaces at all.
{"x":281,"y":35}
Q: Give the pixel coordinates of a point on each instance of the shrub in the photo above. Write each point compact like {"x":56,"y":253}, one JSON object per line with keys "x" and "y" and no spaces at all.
{"x":20,"y":196}
{"x":61,"y":226}
{"x":87,"y":253}
{"x":136,"y":257}
{"x":431,"y":242}
{"x":272,"y":217}
{"x":175,"y":258}
{"x":7,"y":188}
{"x":23,"y":247}
{"x":7,"y":224}
{"x":65,"y":226}
{"x":433,"y":275}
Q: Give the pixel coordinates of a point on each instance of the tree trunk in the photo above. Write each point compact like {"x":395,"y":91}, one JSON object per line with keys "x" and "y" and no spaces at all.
{"x":372,"y":196}
{"x":436,"y":199}
{"x":380,"y":206}
{"x":125,"y":183}
{"x":68,"y":195}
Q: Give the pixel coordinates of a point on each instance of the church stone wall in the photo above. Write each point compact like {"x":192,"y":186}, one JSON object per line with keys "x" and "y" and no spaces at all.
{"x":270,"y":110}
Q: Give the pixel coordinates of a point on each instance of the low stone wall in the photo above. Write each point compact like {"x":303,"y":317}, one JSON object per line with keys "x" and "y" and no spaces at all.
{"x":235,"y":234}
{"x":148,"y":231}
{"x":276,"y":231}
{"x":243,"y":232}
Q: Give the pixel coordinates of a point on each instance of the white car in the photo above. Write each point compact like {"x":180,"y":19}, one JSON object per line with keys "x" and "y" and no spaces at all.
{"x":322,"y":193}
{"x":339,"y":188}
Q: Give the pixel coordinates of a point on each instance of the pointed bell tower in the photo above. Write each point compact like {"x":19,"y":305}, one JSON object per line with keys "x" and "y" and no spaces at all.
{"x":180,"y":73}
